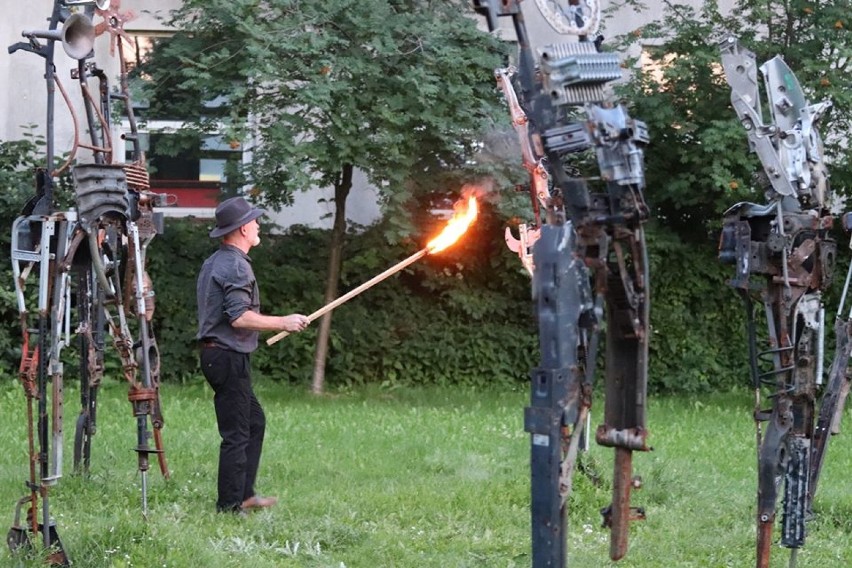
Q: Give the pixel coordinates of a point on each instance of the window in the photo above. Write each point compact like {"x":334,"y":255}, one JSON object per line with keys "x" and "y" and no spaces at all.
{"x":195,"y":174}
{"x":193,"y":170}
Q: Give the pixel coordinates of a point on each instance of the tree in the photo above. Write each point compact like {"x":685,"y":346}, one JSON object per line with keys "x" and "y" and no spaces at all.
{"x":698,"y":163}
{"x":396,"y":88}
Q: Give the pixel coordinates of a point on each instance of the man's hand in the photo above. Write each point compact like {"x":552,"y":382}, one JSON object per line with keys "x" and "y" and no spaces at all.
{"x":294,"y":322}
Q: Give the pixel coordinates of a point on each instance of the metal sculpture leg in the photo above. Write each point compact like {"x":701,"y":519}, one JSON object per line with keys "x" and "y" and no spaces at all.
{"x":91,"y":328}
{"x":118,"y":267}
{"x":37,"y":243}
{"x":559,"y":399}
{"x":832,"y":403}
{"x":624,"y":426}
{"x":790,"y":367}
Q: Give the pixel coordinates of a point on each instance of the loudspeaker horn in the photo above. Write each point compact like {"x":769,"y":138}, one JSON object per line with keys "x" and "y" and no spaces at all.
{"x":77,"y":36}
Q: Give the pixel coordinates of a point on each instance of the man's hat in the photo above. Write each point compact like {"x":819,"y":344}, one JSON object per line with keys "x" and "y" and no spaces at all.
{"x":232,"y":214}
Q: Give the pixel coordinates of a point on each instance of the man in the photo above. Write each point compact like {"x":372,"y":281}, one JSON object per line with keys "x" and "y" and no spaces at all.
{"x":229,"y":320}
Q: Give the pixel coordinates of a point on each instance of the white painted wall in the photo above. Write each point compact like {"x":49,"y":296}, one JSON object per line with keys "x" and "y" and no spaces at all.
{"x":23,"y":101}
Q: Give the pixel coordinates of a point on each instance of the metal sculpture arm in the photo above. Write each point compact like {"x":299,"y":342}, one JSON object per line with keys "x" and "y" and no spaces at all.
{"x":789,"y":147}
{"x":784,"y":257}
{"x":586,"y":252}
{"x":836,"y":389}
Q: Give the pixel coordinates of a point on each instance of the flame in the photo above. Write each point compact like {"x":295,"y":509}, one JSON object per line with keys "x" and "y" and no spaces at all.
{"x":455,"y":228}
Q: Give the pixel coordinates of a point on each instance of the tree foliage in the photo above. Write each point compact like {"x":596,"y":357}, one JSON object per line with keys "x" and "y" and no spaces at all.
{"x":699,"y":163}
{"x":395,"y":88}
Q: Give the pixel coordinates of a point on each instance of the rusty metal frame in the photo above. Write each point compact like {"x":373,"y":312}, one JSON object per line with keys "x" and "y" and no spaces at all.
{"x":784,"y":257}
{"x":585,"y":250}
{"x":80,"y":275}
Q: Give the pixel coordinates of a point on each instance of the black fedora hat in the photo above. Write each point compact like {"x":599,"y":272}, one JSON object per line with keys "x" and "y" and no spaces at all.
{"x":232,"y":214}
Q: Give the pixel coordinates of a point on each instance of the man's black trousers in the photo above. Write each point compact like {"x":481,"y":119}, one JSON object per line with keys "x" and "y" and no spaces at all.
{"x":241,"y":424}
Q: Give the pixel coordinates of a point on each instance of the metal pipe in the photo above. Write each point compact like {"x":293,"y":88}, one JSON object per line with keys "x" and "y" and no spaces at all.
{"x":820,"y":346}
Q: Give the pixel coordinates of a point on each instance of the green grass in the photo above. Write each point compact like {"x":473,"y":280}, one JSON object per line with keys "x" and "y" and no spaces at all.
{"x":410,"y":478}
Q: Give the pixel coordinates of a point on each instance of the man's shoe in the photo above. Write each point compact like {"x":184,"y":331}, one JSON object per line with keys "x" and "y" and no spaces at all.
{"x":235,"y":510}
{"x":258,"y":502}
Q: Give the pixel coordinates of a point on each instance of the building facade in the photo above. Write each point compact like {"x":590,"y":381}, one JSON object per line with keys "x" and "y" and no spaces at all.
{"x":193,"y":182}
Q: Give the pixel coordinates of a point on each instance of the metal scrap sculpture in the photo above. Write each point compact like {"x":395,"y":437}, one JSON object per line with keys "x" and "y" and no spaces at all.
{"x":586,"y":253}
{"x":784,"y":257}
{"x":80,"y":274}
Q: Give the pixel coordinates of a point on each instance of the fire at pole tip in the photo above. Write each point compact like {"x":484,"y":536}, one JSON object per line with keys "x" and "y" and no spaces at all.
{"x":461,"y":220}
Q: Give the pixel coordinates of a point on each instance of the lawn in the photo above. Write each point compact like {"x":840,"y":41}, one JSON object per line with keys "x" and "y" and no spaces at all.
{"x":410,"y":478}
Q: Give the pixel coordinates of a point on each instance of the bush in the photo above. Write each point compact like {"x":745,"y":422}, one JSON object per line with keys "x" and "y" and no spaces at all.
{"x":460,"y":317}
{"x":698,"y":341}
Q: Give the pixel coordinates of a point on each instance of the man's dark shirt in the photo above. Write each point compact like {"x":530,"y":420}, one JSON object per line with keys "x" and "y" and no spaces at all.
{"x":226,"y":289}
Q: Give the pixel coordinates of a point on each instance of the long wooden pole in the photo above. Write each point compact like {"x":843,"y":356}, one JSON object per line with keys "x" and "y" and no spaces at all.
{"x":355,"y":291}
